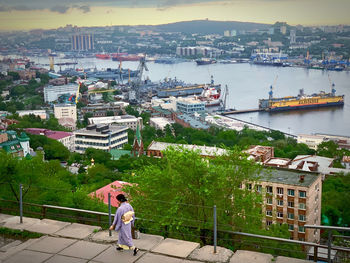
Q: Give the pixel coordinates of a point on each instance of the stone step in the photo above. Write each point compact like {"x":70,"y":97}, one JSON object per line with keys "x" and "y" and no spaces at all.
{"x":14,"y":250}
{"x":10,"y":245}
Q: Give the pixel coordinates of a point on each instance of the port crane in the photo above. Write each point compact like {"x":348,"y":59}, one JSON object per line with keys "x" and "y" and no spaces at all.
{"x":271,"y":88}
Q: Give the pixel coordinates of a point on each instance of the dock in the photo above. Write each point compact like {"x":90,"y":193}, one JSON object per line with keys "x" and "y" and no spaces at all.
{"x":240,"y":111}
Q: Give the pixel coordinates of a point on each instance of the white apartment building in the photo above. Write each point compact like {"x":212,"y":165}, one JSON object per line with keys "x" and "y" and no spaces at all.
{"x":312,"y":141}
{"x":102,"y":137}
{"x":40,"y":113}
{"x":160,"y":122}
{"x":189,"y":105}
{"x":65,"y":111}
{"x":123,"y":120}
{"x":51,"y":93}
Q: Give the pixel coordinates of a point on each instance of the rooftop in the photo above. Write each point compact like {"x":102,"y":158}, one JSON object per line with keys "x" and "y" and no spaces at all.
{"x":288,"y":177}
{"x":101,"y":129}
{"x":194,"y":123}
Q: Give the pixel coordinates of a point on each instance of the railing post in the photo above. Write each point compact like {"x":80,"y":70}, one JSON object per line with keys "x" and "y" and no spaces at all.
{"x":20,"y":204}
{"x":215,"y":230}
{"x":315,"y":253}
{"x":109,"y":213}
{"x":43,"y":210}
{"x":329,"y":245}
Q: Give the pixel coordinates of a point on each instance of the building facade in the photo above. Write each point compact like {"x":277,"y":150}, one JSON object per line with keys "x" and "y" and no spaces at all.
{"x":66,"y":115}
{"x":66,"y":138}
{"x":82,"y":42}
{"x":124,"y":120}
{"x":101,"y":109}
{"x":189,"y":106}
{"x":102,"y":137}
{"x":51,"y":93}
{"x":291,"y":198}
{"x":14,"y":144}
{"x":39,"y":113}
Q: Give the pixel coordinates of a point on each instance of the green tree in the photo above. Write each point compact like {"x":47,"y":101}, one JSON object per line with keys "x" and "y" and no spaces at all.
{"x":180,"y":190}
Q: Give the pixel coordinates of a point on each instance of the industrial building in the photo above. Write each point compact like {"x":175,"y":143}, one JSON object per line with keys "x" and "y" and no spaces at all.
{"x":51,"y":93}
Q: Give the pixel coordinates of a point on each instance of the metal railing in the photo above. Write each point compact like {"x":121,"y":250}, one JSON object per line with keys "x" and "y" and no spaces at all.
{"x":44,"y":213}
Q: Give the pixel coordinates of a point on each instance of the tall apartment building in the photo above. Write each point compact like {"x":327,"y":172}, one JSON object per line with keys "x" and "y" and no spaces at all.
{"x":82,"y":42}
{"x":291,"y":198}
{"x":102,"y":137}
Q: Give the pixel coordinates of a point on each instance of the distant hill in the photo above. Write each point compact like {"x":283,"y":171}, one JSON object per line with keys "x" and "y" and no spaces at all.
{"x":209,"y":27}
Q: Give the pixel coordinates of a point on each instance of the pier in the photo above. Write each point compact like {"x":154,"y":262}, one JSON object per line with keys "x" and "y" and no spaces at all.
{"x":240,"y":111}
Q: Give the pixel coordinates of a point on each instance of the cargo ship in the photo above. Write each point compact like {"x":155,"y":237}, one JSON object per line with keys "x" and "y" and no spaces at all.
{"x":126,"y":57}
{"x":301,"y":101}
{"x":103,"y":56}
{"x":205,"y":61}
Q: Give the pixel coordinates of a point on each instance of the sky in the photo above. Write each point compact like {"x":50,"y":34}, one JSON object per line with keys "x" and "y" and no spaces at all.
{"x":48,"y":14}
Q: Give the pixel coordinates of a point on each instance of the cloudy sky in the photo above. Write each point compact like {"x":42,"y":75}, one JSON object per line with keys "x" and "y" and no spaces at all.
{"x":30,"y":14}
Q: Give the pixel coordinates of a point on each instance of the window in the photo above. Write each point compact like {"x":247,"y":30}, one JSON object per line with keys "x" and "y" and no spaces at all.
{"x":290,"y":216}
{"x":302,"y":218}
{"x":269,"y":189}
{"x":268,"y":213}
{"x":301,"y":239}
{"x":290,"y":204}
{"x":249,"y":186}
{"x":301,"y":229}
{"x":268,"y":223}
{"x":290,"y":227}
{"x":258,"y":188}
{"x":240,"y":186}
{"x":302,"y":194}
{"x":279,"y":191}
{"x":280,"y":202}
{"x":291,"y":192}
{"x":269,"y":200}
{"x":279,"y":214}
{"x":302,"y":206}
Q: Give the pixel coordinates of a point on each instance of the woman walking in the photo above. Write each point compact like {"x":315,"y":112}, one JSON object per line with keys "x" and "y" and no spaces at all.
{"x":123,"y":220}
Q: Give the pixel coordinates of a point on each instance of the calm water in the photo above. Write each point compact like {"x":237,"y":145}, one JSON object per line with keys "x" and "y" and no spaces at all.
{"x":248,"y":83}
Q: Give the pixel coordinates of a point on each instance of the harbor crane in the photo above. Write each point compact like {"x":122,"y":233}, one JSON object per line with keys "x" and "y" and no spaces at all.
{"x":271,"y":88}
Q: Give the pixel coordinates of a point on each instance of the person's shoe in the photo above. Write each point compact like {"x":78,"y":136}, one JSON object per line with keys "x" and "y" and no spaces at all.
{"x":135,"y":251}
{"x":119,"y":248}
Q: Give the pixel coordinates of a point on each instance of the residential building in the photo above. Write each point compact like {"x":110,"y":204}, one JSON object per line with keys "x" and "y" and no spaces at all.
{"x":103,"y":137}
{"x":14,"y":144}
{"x":101,"y":109}
{"x":189,"y":106}
{"x":312,"y":141}
{"x":65,"y":111}
{"x":51,"y":93}
{"x":66,"y":138}
{"x":260,"y":153}
{"x":293,"y":36}
{"x":346,"y":162}
{"x":82,"y":42}
{"x":124,"y":120}
{"x":160,"y":122}
{"x":314,"y":163}
{"x":292,"y":198}
{"x":40,"y":113}
{"x":156,"y":149}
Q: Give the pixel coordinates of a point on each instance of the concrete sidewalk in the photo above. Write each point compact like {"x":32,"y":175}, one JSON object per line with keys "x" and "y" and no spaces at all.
{"x":77,"y":243}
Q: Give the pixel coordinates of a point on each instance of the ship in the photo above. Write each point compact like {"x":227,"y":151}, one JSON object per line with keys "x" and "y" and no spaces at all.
{"x":205,"y":61}
{"x":177,"y":88}
{"x":126,"y":57}
{"x":270,"y":59}
{"x":302,"y":101}
{"x":210,"y":96}
{"x":103,"y":56}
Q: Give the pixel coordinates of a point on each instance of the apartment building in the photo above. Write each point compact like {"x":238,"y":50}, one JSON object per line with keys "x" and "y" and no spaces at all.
{"x":291,"y":198}
{"x":65,"y":111}
{"x":102,"y":137}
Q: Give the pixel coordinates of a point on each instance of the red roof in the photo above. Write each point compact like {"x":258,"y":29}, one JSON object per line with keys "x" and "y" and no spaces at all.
{"x":113,"y":188}
{"x":56,"y":135}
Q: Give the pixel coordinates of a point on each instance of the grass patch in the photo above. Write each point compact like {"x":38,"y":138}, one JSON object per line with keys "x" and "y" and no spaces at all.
{"x":18,"y":234}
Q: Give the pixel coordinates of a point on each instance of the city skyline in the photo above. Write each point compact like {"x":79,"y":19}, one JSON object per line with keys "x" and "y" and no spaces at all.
{"x":47,"y":14}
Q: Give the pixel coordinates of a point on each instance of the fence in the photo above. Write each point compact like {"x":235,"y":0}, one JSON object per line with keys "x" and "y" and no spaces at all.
{"x":247,"y":240}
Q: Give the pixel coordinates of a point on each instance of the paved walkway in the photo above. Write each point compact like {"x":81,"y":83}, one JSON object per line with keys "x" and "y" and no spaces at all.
{"x":76,"y":243}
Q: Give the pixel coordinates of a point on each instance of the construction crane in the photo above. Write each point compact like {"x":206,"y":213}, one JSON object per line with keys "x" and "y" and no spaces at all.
{"x":137,"y":83}
{"x":332,"y":85}
{"x":52,"y":63}
{"x":271,"y":88}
